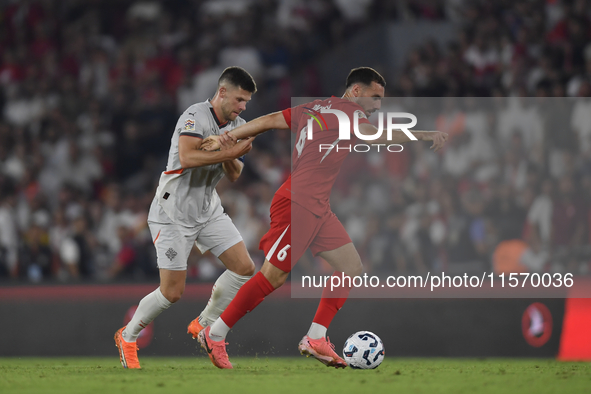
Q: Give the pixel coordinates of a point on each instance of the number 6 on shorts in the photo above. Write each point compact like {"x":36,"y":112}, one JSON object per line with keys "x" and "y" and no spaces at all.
{"x":283,"y":253}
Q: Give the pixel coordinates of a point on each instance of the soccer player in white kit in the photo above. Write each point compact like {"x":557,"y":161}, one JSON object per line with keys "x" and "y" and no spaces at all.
{"x":186,"y":209}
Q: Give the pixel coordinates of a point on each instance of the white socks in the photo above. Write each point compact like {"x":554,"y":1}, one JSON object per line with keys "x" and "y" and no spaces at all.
{"x":218,"y":330}
{"x":317,"y":331}
{"x":224,"y":290}
{"x":150,"y":306}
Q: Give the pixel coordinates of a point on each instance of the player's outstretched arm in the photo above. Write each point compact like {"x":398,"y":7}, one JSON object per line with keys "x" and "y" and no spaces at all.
{"x":399,"y":137}
{"x":275,"y":120}
{"x":190,"y":156}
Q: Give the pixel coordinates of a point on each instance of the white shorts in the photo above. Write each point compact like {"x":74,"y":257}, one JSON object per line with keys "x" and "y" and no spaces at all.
{"x":174,"y":242}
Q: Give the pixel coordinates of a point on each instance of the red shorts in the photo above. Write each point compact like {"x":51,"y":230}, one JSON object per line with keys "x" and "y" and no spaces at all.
{"x":295,"y":229}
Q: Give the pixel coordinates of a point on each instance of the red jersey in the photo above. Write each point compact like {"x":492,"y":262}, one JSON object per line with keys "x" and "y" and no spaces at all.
{"x":314,"y":170}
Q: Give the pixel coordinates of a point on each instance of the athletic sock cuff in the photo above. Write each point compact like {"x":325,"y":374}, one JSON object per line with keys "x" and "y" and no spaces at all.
{"x":162,"y":301}
{"x":240,"y":278}
{"x":264,"y":283}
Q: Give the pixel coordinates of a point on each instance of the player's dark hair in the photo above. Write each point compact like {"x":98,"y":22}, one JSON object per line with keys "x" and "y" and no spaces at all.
{"x":365,"y":76}
{"x":238,"y":77}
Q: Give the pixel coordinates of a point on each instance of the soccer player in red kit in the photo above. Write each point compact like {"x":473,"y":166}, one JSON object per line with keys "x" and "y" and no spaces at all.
{"x":302,"y":204}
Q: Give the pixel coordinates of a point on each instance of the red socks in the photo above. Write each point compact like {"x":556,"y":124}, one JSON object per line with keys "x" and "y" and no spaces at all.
{"x":248,"y":297}
{"x":331,"y":302}
{"x":258,"y":287}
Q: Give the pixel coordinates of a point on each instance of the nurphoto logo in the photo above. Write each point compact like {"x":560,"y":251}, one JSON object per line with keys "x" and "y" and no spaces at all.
{"x":345,"y":129}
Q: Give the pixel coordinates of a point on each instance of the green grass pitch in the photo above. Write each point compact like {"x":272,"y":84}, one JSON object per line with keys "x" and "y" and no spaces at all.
{"x":291,"y":375}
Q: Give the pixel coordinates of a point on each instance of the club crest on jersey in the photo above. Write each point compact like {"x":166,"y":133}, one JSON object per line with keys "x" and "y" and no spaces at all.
{"x":189,"y":125}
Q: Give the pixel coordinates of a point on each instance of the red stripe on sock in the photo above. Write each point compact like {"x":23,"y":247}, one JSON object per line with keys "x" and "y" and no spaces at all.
{"x":331,"y":302}
{"x":248,"y":297}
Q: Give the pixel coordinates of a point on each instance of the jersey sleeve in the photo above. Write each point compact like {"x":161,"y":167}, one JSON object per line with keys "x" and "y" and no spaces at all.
{"x":292,"y":116}
{"x":287,"y":116}
{"x":190,"y":126}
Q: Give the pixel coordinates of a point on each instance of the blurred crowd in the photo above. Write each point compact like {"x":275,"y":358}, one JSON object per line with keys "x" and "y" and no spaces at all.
{"x":89,"y":91}
{"x":511,"y":192}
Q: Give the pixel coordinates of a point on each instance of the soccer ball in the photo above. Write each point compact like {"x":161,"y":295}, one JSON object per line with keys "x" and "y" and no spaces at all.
{"x":363,"y":350}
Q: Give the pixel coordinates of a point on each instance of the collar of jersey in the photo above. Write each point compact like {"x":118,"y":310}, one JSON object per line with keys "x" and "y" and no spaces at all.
{"x":217,"y":121}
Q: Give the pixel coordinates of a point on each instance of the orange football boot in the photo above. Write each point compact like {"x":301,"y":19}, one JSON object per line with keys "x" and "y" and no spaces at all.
{"x":127,"y":351}
{"x":195,"y":328}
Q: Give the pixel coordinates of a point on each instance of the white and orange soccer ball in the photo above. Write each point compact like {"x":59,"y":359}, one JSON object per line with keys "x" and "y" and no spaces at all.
{"x":363,"y":350}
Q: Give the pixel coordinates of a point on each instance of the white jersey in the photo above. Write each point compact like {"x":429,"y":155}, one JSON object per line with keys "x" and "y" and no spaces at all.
{"x":187,"y":196}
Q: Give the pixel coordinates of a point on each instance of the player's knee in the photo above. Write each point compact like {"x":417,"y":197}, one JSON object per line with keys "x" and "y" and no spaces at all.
{"x":246,"y":269}
{"x":173,"y":295}
{"x":250,"y":270}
